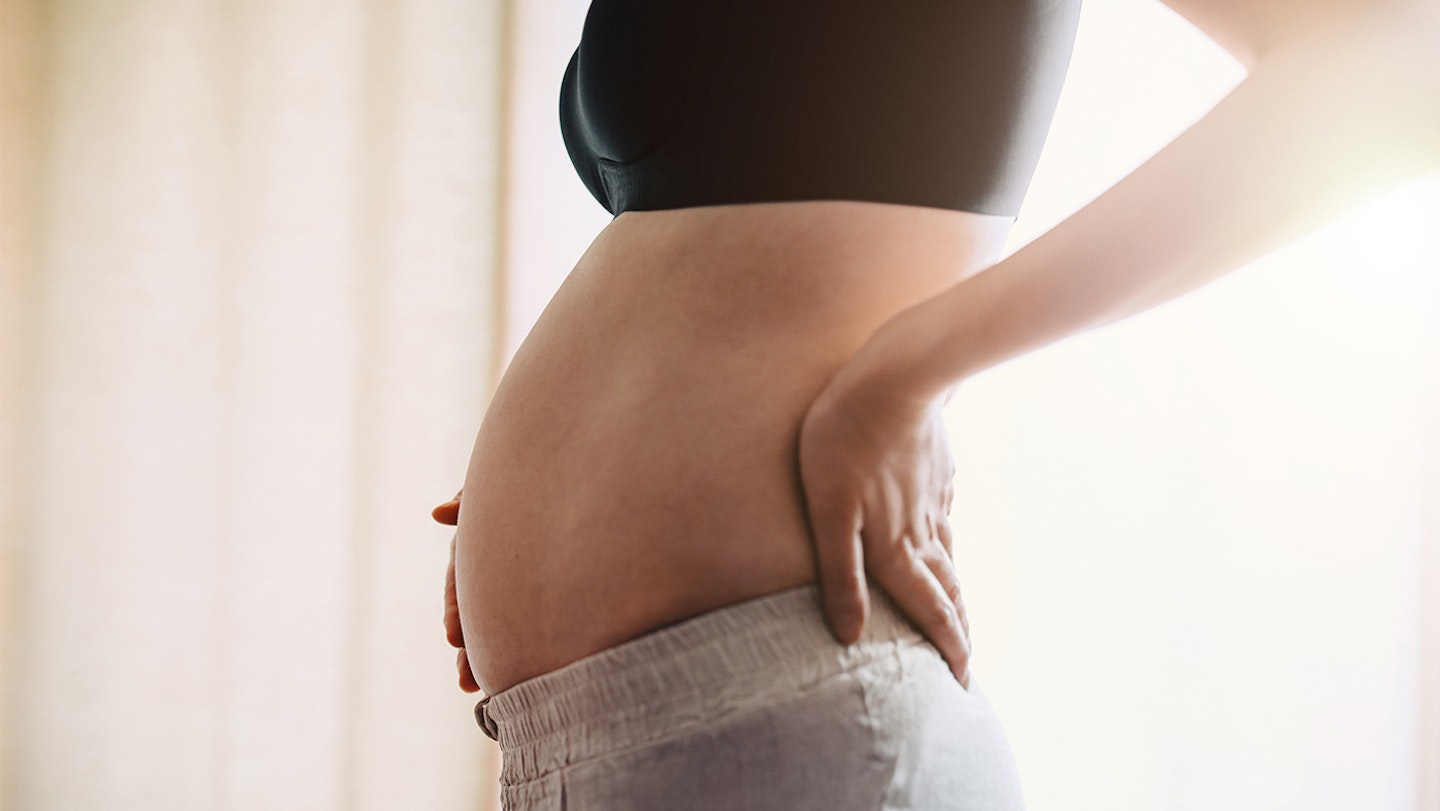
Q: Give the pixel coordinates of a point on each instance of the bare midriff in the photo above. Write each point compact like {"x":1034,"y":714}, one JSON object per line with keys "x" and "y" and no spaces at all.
{"x":636,"y":466}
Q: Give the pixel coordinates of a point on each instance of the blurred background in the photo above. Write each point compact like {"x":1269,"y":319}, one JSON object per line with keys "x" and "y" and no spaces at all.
{"x":262,"y":262}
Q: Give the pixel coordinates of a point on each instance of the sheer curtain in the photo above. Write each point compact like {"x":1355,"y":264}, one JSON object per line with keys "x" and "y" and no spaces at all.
{"x":261,"y":261}
{"x":249,"y":296}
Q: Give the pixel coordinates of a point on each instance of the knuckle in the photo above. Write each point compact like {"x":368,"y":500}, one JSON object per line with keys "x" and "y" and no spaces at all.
{"x":842,"y":587}
{"x":888,"y":561}
{"x":845,"y":598}
{"x":941,"y":614}
{"x":933,"y":553}
{"x":914,"y":540}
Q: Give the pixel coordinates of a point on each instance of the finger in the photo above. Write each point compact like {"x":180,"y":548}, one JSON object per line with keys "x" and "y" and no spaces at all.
{"x":919,"y":596}
{"x":943,"y":567}
{"x":453,"y":633}
{"x":467,"y":676}
{"x":944,"y":534}
{"x":449,"y":512}
{"x":839,"y":557}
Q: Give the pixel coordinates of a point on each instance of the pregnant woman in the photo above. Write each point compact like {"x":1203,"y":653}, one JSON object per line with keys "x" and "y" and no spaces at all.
{"x":702,"y":558}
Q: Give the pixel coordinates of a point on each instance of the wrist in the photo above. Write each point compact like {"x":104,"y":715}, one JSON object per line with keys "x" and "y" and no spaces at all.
{"x":922,"y":353}
{"x":902,"y":363}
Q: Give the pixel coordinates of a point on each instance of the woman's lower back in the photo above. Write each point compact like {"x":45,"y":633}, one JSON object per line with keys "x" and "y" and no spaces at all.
{"x":636,"y":466}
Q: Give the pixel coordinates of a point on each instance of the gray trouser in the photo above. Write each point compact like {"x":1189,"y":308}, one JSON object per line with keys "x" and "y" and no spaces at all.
{"x":754,"y":706}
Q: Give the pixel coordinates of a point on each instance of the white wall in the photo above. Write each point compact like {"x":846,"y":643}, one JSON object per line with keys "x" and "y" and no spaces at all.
{"x":1190,"y":541}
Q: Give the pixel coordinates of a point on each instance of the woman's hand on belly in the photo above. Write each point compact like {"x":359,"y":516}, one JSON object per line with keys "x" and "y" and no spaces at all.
{"x":878,"y":477}
{"x":449,"y":514}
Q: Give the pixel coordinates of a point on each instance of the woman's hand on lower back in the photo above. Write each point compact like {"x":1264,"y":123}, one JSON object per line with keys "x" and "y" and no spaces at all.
{"x":878,"y":477}
{"x":449,"y":514}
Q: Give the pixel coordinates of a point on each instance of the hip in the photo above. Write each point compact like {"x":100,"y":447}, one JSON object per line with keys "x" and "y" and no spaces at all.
{"x":754,"y":706}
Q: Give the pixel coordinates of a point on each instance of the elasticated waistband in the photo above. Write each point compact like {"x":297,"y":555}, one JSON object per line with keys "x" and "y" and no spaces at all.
{"x":720,"y":662}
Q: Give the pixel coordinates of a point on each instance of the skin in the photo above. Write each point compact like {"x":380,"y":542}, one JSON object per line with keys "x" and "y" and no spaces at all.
{"x":724,"y":402}
{"x":637,"y":464}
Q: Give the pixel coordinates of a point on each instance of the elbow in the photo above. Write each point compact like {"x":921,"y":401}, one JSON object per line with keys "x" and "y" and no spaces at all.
{"x":1276,"y":29}
{"x":1377,"y":67}
{"x":1411,"y":50}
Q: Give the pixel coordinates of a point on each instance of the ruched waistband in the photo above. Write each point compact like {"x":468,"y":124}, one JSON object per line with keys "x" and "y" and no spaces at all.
{"x":717,"y":663}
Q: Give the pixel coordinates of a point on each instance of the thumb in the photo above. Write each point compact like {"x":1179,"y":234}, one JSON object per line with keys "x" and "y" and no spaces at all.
{"x":448,"y":513}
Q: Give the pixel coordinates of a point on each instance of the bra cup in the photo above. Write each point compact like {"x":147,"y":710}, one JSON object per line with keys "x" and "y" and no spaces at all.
{"x":943,"y":103}
{"x":633,"y":72}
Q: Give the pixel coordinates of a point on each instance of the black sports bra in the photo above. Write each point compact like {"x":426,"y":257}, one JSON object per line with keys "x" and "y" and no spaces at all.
{"x":941,"y":103}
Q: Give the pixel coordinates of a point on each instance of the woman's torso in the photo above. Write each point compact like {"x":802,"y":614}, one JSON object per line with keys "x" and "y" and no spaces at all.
{"x":636,"y":466}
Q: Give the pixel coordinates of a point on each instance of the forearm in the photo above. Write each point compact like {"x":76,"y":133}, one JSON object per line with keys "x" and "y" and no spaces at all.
{"x":1318,"y":126}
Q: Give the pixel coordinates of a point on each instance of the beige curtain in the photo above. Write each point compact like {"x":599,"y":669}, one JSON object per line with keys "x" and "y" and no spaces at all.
{"x":249,"y":295}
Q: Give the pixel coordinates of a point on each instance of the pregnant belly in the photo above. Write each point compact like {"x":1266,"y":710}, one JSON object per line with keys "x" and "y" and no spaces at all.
{"x":605,"y":503}
{"x":636,"y":466}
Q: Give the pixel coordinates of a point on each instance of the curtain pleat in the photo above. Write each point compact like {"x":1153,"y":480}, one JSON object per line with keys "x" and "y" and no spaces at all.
{"x":250,"y":324}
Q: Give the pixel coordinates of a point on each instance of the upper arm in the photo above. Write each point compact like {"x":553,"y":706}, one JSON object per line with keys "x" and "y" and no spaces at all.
{"x":1249,"y":29}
